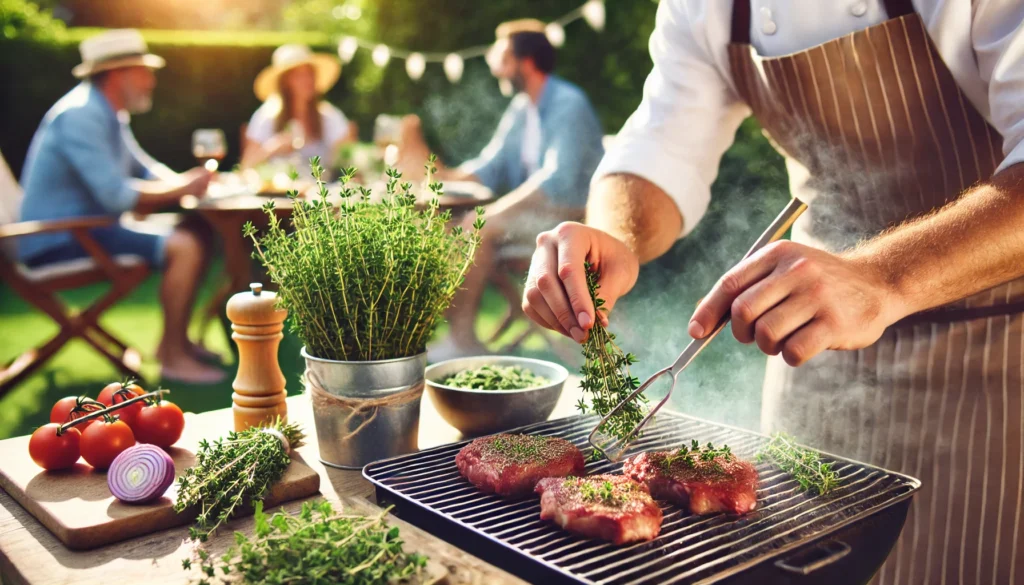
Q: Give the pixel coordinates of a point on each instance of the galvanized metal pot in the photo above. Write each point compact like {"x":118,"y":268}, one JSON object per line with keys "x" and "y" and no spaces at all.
{"x":365,"y":411}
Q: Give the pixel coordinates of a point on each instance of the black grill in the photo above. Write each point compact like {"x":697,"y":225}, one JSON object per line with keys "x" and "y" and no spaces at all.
{"x":792,"y":537}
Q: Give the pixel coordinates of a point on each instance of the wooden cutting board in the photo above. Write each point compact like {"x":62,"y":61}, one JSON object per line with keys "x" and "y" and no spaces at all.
{"x":77,"y":507}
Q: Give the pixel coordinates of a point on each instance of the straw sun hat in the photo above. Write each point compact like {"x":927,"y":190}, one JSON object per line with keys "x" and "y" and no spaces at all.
{"x":287,"y":57}
{"x":114,"y":49}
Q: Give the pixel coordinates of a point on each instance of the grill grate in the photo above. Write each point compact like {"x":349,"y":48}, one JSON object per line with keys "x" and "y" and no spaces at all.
{"x":690,"y":549}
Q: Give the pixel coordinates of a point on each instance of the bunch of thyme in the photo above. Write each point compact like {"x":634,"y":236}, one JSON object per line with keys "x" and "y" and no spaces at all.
{"x":495,"y":378}
{"x":232,"y":472}
{"x":804,"y":465}
{"x":606,"y":376}
{"x":366,"y":280}
{"x":315,"y":547}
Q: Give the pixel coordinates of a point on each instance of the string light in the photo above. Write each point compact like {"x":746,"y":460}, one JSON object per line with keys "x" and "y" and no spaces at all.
{"x":347,"y":48}
{"x":592,"y":11}
{"x":381,"y":55}
{"x":453,"y":66}
{"x":555,"y":33}
{"x":415,"y":65}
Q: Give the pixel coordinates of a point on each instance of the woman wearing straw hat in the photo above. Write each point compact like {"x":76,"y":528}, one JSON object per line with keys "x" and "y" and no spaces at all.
{"x":294,"y":122}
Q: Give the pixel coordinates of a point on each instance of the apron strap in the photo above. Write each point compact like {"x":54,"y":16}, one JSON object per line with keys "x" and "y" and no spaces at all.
{"x":740,"y":32}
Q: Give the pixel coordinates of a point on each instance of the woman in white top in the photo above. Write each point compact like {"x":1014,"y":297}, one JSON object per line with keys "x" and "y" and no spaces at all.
{"x":295,"y":123}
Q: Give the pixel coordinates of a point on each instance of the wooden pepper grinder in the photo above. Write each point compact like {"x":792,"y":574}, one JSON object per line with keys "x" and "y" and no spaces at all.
{"x":256,"y":322}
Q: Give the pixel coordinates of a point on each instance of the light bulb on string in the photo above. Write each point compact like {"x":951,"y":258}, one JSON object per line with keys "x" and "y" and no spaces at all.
{"x":555,"y":34}
{"x":453,"y":66}
{"x":593,"y":13}
{"x":353,"y":12}
{"x":381,"y":55}
{"x":415,"y":65}
{"x":338,"y":12}
{"x":347,"y":48}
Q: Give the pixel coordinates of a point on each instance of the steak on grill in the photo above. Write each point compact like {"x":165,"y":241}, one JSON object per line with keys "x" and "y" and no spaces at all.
{"x":609,"y":507}
{"x":511,"y":465}
{"x":704,"y":480}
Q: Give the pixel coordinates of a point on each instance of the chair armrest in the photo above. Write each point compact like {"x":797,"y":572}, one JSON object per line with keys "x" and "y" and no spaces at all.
{"x":27,"y":228}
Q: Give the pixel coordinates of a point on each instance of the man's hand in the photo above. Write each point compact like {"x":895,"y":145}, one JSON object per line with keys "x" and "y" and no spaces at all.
{"x":556,"y":293}
{"x":798,"y":301}
{"x":195,"y":181}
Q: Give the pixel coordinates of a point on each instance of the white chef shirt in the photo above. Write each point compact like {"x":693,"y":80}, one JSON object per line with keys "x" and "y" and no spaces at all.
{"x":530,"y":154}
{"x":690,"y":109}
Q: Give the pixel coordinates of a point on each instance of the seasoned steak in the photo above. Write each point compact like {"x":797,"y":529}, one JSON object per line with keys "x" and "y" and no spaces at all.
{"x":511,"y":465}
{"x":705,"y":480}
{"x":609,"y":507}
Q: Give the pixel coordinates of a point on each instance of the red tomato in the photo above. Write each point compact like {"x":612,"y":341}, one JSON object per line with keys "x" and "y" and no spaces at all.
{"x":116,"y":393}
{"x":103,"y":441}
{"x":51,"y":451}
{"x":62,"y":412}
{"x":160,"y":424}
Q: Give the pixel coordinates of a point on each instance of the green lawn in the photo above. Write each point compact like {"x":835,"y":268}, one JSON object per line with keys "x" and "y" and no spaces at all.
{"x":78,"y":369}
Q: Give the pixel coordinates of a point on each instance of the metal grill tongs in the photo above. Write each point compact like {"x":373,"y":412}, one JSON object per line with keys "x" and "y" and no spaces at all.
{"x":775,"y":231}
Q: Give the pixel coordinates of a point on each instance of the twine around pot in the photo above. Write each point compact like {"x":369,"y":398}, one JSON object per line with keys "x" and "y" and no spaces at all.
{"x":358,"y":406}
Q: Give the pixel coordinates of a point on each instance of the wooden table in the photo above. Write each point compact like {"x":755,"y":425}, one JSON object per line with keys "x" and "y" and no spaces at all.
{"x":30,"y":554}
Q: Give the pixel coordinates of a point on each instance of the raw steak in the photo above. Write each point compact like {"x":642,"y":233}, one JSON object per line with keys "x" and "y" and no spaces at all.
{"x":704,"y":484}
{"x":609,"y":507}
{"x":511,"y":465}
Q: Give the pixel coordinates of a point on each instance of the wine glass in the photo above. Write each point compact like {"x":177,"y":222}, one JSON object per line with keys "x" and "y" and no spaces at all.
{"x":209,"y":146}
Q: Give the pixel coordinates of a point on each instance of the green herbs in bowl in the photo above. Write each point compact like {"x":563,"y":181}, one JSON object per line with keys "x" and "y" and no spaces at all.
{"x":492,"y":377}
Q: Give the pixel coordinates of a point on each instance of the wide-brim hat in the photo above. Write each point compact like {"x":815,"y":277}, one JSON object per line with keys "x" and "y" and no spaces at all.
{"x":114,"y":49}
{"x":327,"y":69}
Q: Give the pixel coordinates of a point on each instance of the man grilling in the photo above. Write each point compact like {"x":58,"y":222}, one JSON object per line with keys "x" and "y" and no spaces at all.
{"x":895,"y":317}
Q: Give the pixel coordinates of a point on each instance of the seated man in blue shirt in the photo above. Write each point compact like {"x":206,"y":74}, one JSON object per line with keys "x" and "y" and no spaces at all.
{"x":541,"y":157}
{"x":84,"y":162}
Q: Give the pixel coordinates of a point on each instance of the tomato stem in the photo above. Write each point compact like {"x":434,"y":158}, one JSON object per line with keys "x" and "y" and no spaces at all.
{"x":108,"y":410}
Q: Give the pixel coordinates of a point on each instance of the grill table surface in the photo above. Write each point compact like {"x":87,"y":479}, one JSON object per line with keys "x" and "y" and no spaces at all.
{"x":426,"y":489}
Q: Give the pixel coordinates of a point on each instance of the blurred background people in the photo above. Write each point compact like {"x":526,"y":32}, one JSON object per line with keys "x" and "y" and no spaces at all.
{"x":295,"y":123}
{"x":540,"y":161}
{"x":84,"y":161}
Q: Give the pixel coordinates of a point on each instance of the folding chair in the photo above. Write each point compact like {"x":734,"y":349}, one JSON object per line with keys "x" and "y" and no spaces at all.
{"x":513,"y":263}
{"x":38,"y":286}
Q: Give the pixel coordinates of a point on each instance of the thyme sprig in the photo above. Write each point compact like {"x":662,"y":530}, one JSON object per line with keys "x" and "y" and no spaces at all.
{"x":362,"y":279}
{"x":689,"y":456}
{"x":316,"y":547}
{"x":804,"y":465}
{"x":606,"y":376}
{"x":232,"y":472}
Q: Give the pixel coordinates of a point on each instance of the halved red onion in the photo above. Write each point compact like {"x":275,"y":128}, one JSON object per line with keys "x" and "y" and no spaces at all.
{"x":140,"y":474}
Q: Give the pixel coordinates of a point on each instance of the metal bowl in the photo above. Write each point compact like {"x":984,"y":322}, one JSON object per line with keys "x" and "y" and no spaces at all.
{"x":483,"y":412}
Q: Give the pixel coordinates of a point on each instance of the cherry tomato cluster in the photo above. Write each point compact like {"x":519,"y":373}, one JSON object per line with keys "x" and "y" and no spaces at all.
{"x":100,"y":440}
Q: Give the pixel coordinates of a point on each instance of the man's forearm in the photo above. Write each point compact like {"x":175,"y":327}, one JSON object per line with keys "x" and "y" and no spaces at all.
{"x":970,"y":245}
{"x":156,"y":195}
{"x":636,"y":212}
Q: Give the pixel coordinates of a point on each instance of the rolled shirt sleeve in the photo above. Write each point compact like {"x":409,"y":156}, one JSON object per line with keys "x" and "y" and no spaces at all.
{"x":998,"y":41}
{"x":491,"y":166}
{"x":97,"y":162}
{"x":687,"y":118}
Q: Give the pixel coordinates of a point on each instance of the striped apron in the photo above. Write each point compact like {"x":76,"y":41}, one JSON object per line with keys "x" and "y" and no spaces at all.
{"x":875,"y":130}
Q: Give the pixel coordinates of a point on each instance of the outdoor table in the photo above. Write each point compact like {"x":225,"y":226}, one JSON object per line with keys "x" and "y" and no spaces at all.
{"x":30,"y":554}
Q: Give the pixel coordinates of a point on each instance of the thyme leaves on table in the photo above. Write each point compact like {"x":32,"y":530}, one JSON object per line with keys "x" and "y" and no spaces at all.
{"x":804,"y":465}
{"x":491,"y":377}
{"x":231,"y":472}
{"x":365,"y":279}
{"x":317,"y":546}
{"x":606,"y":376}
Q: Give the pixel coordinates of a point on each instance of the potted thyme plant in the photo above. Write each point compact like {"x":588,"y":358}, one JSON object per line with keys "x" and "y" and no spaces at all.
{"x":365,"y":283}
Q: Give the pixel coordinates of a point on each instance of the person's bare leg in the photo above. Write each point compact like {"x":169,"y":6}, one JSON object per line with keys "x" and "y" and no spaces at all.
{"x":182,"y":276}
{"x":466,"y":304}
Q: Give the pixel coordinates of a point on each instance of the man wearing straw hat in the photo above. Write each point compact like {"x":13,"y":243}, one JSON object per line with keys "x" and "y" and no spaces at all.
{"x":84,"y":161}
